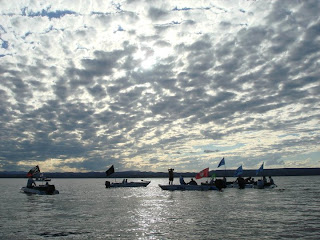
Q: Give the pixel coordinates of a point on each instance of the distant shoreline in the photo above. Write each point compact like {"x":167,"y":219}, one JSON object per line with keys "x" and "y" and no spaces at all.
{"x":139,"y":174}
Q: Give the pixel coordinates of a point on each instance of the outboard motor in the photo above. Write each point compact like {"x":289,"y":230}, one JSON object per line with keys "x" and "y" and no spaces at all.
{"x":107,"y":184}
{"x":219,"y":183}
{"x":241,"y":182}
{"x":50,"y":189}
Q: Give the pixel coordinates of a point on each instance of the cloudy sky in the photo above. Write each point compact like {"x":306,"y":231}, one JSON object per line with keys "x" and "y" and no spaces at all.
{"x":147,"y":85}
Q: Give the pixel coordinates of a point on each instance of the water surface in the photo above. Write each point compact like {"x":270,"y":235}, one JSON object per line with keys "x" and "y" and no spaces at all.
{"x":85,"y":209}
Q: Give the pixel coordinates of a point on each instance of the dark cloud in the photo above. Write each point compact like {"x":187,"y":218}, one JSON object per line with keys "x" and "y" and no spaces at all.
{"x":157,"y":13}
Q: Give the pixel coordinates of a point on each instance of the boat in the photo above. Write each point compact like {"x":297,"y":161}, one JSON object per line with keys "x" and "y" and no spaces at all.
{"x":188,"y":187}
{"x":236,"y":185}
{"x":261,"y":185}
{"x":142,"y":183}
{"x":42,"y":188}
{"x":265,"y":187}
{"x":124,"y":183}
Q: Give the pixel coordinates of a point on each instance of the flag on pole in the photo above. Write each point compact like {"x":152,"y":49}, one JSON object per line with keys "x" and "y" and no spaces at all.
{"x":238,"y":172}
{"x":110,"y":171}
{"x":33,"y":171}
{"x":203,"y":173}
{"x":221,"y":162}
{"x":260,"y":169}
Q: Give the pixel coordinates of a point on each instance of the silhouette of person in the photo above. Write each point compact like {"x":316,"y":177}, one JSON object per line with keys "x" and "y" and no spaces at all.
{"x":182,"y":182}
{"x":193,"y":182}
{"x":241,"y":182}
{"x":170,"y":176}
{"x":31,"y":183}
{"x":271,"y":180}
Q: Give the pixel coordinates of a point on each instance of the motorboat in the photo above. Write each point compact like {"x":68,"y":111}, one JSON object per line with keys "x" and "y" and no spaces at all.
{"x":142,"y":183}
{"x":261,"y":185}
{"x":44,"y":188}
{"x":188,"y":187}
{"x":124,"y":183}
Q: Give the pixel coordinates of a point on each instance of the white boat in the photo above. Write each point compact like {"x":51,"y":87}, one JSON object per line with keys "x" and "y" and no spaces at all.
{"x":41,"y":189}
{"x":126,"y":184}
{"x":260,"y":185}
{"x":188,"y":187}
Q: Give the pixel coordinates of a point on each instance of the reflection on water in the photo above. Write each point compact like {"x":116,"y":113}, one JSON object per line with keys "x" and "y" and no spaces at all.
{"x":85,"y":209}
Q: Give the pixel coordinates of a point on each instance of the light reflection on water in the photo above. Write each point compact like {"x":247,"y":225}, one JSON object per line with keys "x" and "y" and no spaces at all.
{"x":85,"y":209}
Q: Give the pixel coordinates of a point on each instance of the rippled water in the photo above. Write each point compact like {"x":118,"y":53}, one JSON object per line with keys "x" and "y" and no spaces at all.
{"x":85,"y":209}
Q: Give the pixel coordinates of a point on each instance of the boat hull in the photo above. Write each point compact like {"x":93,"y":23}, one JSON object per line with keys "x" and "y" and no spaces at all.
{"x":264,"y":187}
{"x":127,"y":184}
{"x":236,"y":185}
{"x":188,"y":187}
{"x":41,"y":190}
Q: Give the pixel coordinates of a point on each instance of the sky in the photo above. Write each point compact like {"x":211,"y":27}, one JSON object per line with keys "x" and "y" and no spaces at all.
{"x":152,"y":85}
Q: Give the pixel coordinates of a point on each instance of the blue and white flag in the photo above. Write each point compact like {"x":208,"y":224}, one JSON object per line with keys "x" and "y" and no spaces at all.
{"x":238,"y":172}
{"x":260,"y":169}
{"x":221,"y":162}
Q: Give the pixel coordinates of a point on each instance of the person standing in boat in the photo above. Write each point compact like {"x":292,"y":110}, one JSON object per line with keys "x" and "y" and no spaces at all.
{"x":30,"y":182}
{"x":170,"y":176}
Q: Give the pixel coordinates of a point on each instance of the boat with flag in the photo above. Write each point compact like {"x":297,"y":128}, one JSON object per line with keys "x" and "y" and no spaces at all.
{"x":124,"y":182}
{"x":263,"y":182}
{"x":142,"y":183}
{"x":192,"y":185}
{"x":40,"y":185}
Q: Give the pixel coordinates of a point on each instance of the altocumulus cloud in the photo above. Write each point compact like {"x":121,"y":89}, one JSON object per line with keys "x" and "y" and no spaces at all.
{"x":151,"y":84}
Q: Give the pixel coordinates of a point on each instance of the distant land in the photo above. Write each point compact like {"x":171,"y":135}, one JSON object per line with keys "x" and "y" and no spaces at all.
{"x":139,"y":174}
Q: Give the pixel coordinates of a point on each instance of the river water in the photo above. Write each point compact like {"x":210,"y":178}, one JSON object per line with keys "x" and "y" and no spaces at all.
{"x":85,"y":209}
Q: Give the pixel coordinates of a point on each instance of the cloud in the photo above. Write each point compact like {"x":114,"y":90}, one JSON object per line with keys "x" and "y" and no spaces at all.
{"x":151,"y":86}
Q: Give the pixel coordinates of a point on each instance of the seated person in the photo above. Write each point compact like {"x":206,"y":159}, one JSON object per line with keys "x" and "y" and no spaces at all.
{"x":212,"y":181}
{"x":271,"y":182}
{"x":265,"y":182}
{"x":31,"y":183}
{"x":248,"y":180}
{"x":182,"y":182}
{"x":193,"y":182}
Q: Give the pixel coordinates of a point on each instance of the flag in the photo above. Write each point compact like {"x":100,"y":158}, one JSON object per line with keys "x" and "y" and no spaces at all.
{"x":221,"y":162}
{"x":33,"y":171}
{"x":260,"y":169}
{"x":110,"y":171}
{"x":203,"y":173}
{"x":213,"y":176}
{"x":238,"y":172}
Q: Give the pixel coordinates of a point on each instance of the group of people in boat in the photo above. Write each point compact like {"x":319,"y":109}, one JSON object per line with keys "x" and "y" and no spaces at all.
{"x":31,"y":183}
{"x":264,"y":182}
{"x":182,"y":182}
{"x":222,"y":183}
{"x":192,"y":182}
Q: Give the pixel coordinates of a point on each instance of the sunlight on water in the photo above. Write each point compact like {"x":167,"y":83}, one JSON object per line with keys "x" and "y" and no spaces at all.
{"x":85,"y":209}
